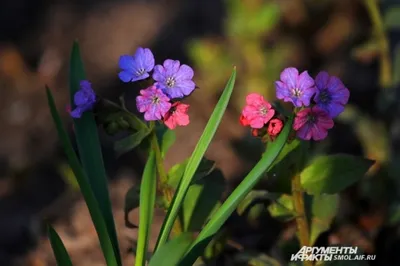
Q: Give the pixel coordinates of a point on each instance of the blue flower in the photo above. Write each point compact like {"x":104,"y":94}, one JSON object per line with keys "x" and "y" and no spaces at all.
{"x":84,"y":99}
{"x":331,"y":94}
{"x":174,"y":79}
{"x":136,"y":67}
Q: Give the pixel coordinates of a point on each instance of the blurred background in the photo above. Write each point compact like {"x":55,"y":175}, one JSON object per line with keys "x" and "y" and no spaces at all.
{"x":260,"y":37}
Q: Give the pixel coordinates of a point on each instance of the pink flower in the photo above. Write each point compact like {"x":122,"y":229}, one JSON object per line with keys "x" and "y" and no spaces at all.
{"x":274,"y":127}
{"x":177,"y":115}
{"x":153,"y":103}
{"x":257,"y":111}
{"x":312,"y":123}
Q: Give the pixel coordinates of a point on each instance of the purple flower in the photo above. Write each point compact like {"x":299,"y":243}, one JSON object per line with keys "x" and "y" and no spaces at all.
{"x":153,"y":103}
{"x":174,"y":79}
{"x":312,"y":123}
{"x":136,"y":67}
{"x":331,"y":94}
{"x":295,"y":88}
{"x":84,"y":99}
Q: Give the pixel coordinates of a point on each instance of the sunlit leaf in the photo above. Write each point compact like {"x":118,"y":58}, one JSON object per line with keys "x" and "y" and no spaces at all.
{"x":333,"y":173}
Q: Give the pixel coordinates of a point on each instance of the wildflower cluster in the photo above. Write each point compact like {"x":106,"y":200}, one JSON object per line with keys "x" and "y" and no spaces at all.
{"x":172,"y":81}
{"x":316,"y":103}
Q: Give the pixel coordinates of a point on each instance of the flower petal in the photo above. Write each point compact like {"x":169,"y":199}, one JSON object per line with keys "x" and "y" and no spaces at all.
{"x":321,"y":80}
{"x":289,"y":76}
{"x":185,"y":72}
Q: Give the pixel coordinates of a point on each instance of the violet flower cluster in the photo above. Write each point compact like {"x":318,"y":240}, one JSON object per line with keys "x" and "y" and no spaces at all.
{"x":316,"y":103}
{"x":172,"y":82}
{"x":161,"y":101}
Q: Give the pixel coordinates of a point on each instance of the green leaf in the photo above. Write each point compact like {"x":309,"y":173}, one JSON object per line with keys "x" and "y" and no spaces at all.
{"x":333,"y":173}
{"x":282,"y":208}
{"x":129,"y":143}
{"x":234,"y":199}
{"x":132,"y":199}
{"x":172,"y":251}
{"x":195,"y":160}
{"x":284,"y":168}
{"x":84,"y":185}
{"x":202,"y":199}
{"x":391,"y":18}
{"x":58,"y":247}
{"x":167,"y":140}
{"x":254,"y":259}
{"x":90,"y":150}
{"x":147,"y":204}
{"x":176,"y":172}
{"x":324,"y":209}
{"x":253,"y":205}
{"x":204,"y":193}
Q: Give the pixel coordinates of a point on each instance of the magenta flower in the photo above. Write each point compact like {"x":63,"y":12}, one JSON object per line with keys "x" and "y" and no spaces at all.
{"x":177,"y":115}
{"x":153,"y":103}
{"x":312,"y":123}
{"x":174,"y":79}
{"x":84,"y":99}
{"x":331,"y":94}
{"x":295,"y":88}
{"x":136,"y":67}
{"x":258,"y":111}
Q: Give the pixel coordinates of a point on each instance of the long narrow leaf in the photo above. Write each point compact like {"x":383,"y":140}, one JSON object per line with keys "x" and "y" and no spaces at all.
{"x":84,"y":185}
{"x":146,"y":208}
{"x":195,"y":160}
{"x":90,"y":151}
{"x":223,"y":213}
{"x":171,"y":253}
{"x":60,"y":252}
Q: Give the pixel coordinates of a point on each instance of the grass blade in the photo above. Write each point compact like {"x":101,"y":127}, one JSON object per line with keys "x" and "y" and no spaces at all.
{"x":90,"y":151}
{"x":223,"y":213}
{"x":60,"y":252}
{"x":171,"y":253}
{"x":146,"y":208}
{"x":195,"y":160}
{"x":84,"y":185}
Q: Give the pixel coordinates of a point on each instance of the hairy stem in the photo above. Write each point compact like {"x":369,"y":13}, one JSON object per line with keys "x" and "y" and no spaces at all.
{"x":379,"y":29}
{"x":301,"y":218}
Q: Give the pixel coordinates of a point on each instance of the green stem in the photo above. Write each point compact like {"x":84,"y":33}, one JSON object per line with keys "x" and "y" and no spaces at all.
{"x":379,"y":28}
{"x":301,"y":218}
{"x":163,"y":182}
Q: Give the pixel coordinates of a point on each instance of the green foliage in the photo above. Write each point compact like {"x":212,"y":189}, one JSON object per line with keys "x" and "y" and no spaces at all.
{"x":90,"y":150}
{"x":253,"y":205}
{"x":84,"y":185}
{"x":132,"y":141}
{"x":282,"y":208}
{"x":333,"y":173}
{"x":203,"y":195}
{"x":236,"y":197}
{"x":58,"y":247}
{"x":285,"y":167}
{"x":147,"y":204}
{"x":391,"y":18}
{"x":254,"y":259}
{"x":323,"y":210}
{"x":172,"y":251}
{"x":195,"y":160}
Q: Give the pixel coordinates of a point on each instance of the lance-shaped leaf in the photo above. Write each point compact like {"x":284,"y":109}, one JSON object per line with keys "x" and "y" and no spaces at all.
{"x":195,"y":160}
{"x":90,"y":150}
{"x":58,"y":247}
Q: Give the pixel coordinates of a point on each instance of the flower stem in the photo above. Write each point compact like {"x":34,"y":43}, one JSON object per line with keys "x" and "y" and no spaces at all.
{"x":163,"y":182}
{"x":301,"y":218}
{"x":379,"y":28}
